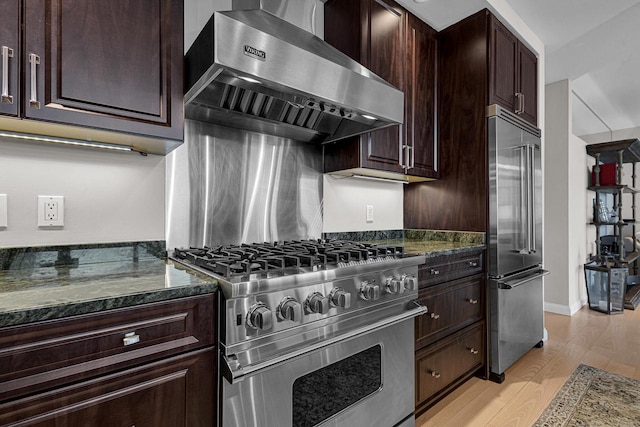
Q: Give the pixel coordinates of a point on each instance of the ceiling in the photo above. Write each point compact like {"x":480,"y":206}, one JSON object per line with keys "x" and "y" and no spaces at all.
{"x":593,"y":43}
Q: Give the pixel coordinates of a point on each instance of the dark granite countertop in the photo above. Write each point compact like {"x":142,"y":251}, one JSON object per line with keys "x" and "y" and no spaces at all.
{"x":419,"y":242}
{"x":48,"y":283}
{"x":437,"y":248}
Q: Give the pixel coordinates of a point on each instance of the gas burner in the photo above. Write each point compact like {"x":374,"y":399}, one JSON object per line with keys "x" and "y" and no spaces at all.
{"x":284,"y":257}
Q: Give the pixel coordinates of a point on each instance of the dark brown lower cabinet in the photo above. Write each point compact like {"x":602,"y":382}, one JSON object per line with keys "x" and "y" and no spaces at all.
{"x":149,"y":365}
{"x":442,"y":367}
{"x":170,"y":393}
{"x":452,"y":305}
{"x":451,"y":339}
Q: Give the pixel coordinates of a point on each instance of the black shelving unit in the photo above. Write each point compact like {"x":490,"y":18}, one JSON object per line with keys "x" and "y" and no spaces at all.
{"x":611,"y":265}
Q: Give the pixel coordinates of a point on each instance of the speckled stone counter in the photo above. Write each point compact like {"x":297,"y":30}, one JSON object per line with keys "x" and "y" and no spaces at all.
{"x":53,"y":282}
{"x":419,"y":242}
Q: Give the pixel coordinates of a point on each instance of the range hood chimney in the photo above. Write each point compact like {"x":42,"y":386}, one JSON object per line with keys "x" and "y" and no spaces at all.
{"x":251,"y":68}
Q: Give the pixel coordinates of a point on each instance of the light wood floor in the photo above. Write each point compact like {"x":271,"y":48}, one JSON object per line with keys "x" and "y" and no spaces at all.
{"x":610,"y":342}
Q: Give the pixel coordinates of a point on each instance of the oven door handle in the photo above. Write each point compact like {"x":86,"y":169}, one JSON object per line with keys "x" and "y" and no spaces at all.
{"x":234,"y":372}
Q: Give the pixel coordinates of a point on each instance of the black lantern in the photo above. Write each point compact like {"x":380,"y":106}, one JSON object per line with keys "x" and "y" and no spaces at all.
{"x":606,"y":284}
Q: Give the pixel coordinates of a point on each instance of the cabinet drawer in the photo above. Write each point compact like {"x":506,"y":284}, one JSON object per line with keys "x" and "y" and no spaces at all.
{"x":176,"y":392}
{"x":452,"y":306}
{"x":448,"y":267}
{"x":45,"y":354}
{"x":440,"y":366}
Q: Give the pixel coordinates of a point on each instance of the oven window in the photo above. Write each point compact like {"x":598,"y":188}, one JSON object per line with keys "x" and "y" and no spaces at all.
{"x":327,"y":391}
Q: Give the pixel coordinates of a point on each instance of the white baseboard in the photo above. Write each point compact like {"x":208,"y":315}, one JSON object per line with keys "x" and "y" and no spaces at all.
{"x":557,"y":308}
{"x":566,"y":310}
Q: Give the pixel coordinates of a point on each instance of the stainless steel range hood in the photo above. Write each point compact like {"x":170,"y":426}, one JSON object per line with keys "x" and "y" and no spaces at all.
{"x":252,"y":70}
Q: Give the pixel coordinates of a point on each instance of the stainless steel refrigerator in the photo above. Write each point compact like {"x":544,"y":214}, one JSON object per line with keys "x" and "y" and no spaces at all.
{"x":515,"y":239}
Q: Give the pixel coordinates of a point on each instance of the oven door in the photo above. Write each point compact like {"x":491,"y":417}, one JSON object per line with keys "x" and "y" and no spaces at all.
{"x":366,"y":380}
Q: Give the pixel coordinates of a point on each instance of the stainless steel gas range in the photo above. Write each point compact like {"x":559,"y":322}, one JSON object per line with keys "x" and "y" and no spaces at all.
{"x":314,"y":332}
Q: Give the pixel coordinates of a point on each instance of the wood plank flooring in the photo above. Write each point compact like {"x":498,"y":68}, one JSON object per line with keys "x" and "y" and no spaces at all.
{"x":610,"y":342}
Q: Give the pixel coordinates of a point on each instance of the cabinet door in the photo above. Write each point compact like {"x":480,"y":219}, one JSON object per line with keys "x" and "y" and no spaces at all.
{"x":113,"y":65}
{"x":444,"y":268}
{"x":48,"y":354}
{"x":528,"y":79}
{"x":9,"y":56}
{"x":173,"y":393}
{"x":420,"y":98}
{"x":382,"y":149}
{"x":440,"y":368}
{"x":452,"y":306}
{"x":503,"y":57}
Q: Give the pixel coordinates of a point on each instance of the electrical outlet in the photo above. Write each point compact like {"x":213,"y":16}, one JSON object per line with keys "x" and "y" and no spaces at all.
{"x":369,"y":213}
{"x":50,"y":211}
{"x":3,"y":210}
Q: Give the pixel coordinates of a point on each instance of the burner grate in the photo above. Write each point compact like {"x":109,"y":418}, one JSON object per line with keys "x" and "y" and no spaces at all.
{"x":285,"y":257}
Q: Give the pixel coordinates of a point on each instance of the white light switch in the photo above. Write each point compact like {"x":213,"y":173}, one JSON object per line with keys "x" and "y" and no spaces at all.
{"x":369,"y":213}
{"x":3,"y":211}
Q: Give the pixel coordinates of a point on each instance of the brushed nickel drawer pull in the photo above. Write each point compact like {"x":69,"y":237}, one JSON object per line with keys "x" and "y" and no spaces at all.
{"x":473,"y":264}
{"x":473,"y":301}
{"x":435,"y":316}
{"x":435,"y":374}
{"x":33,"y":100}
{"x":6,"y":54}
{"x":473,"y":350}
{"x":434,"y":271}
{"x":130,"y":338}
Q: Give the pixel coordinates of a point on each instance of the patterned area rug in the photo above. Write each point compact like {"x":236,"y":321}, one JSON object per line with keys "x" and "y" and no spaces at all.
{"x":593,"y":397}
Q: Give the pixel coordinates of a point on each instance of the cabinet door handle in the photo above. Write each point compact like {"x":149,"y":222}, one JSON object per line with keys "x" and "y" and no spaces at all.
{"x":519,"y":103}
{"x":434,"y":271}
{"x":408,"y":163}
{"x":130,"y":338}
{"x":413,"y":156}
{"x":435,"y":374}
{"x":435,"y":316}
{"x":473,"y":351}
{"x":33,"y":100}
{"x":472,"y":301}
{"x":6,"y":54}
{"x":401,"y":146}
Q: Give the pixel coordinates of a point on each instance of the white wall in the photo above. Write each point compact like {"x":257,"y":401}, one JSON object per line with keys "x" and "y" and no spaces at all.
{"x":346,"y":200}
{"x":109,"y":196}
{"x":568,"y":207}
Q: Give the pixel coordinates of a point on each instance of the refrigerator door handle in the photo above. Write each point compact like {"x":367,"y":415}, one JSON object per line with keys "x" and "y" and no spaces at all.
{"x":504,"y":284}
{"x":524,"y":197}
{"x":529,"y":198}
{"x":532,"y":174}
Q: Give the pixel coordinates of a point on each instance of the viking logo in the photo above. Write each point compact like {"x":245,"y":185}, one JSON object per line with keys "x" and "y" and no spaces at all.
{"x":256,"y":53}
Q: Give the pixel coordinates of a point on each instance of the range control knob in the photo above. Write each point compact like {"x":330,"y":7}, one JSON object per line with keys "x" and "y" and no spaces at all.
{"x":394,"y":286}
{"x":289,"y":309}
{"x":411,"y":283}
{"x":340,"y":298}
{"x":259,"y":317}
{"x":317,"y":303}
{"x":369,"y":291}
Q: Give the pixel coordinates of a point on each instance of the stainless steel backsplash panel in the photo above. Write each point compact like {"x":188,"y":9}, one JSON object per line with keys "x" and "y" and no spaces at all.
{"x":244,"y":187}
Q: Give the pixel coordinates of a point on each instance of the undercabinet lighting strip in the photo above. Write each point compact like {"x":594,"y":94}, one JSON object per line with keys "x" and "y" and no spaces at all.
{"x":67,"y":141}
{"x":374,"y":178}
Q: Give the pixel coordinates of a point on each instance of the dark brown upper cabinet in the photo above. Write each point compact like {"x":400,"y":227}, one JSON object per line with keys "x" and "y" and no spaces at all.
{"x":420,"y":96}
{"x":401,"y":49}
{"x":479,"y":63}
{"x":514,"y":73}
{"x":9,"y":56}
{"x":102,"y":66}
